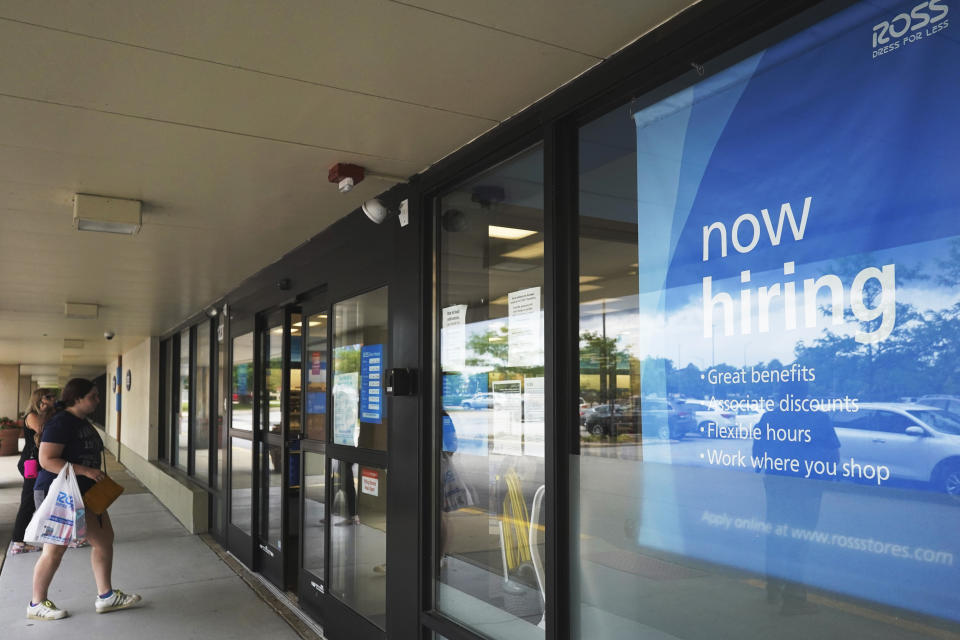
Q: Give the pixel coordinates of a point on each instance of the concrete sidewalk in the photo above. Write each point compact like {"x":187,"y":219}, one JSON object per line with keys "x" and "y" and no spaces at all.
{"x":188,"y":591}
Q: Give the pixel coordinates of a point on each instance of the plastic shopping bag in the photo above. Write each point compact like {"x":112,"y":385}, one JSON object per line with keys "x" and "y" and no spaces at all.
{"x":60,"y":517}
{"x":456,"y":493}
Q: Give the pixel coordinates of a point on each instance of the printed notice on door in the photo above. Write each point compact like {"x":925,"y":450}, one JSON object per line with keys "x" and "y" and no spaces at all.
{"x":525,"y":345}
{"x":453,"y":338}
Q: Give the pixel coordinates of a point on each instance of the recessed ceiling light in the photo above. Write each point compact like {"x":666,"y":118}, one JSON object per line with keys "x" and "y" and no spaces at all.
{"x":508,"y":233}
{"x":534,"y":250}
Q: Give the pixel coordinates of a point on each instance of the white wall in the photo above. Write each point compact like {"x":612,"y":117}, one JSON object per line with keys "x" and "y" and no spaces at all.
{"x":138,"y":418}
{"x":9,"y":390}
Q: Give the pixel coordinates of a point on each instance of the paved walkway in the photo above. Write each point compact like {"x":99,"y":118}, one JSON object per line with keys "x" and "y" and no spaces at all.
{"x":188,"y":591}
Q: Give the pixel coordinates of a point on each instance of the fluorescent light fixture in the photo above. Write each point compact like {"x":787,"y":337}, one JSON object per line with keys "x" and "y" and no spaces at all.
{"x":589,"y":287}
{"x":508,"y":233}
{"x":107,"y":215}
{"x":69,"y":343}
{"x":534,"y":250}
{"x":585,"y":279}
{"x":508,"y":265}
{"x":80,"y":310}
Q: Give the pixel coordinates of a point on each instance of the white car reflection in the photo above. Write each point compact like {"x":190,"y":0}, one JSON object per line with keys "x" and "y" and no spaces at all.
{"x":706,"y":415}
{"x":919,"y":443}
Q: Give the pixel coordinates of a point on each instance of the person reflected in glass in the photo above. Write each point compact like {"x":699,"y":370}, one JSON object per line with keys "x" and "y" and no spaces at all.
{"x":69,"y":437}
{"x":792,"y":496}
{"x":350,"y":494}
{"x":39,"y":411}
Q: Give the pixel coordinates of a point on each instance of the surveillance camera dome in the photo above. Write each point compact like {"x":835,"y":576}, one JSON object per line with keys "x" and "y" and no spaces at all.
{"x":375,"y":210}
{"x":108,"y":335}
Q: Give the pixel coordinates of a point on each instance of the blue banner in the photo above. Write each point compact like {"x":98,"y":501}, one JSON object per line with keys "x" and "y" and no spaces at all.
{"x":371,"y":378}
{"x":799,"y":217}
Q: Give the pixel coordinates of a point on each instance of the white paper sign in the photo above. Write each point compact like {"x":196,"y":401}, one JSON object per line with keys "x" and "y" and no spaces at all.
{"x":533,"y":417}
{"x":507,"y":410}
{"x":525,"y":346}
{"x":453,"y":338}
{"x":346,"y":408}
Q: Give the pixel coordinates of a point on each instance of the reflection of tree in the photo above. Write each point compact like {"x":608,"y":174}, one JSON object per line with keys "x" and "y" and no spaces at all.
{"x":488,"y":349}
{"x":346,"y":360}
{"x":491,"y":350}
{"x":602,"y":355}
{"x":951,"y":266}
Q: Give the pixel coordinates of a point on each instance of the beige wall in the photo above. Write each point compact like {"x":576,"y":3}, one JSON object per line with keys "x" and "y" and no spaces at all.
{"x":9,"y":390}
{"x":110,"y":411}
{"x":138,"y":418}
{"x":26,"y":388}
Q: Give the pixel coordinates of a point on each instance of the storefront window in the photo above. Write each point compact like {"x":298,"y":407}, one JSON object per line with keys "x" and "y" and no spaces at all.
{"x":181,"y":437}
{"x":768,"y":316}
{"x":490,"y":569}
{"x":201,"y":438}
{"x":241,"y":417}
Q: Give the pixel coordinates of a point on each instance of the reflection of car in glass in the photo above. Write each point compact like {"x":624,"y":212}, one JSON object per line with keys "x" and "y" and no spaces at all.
{"x":918,"y":442}
{"x":703,"y":415}
{"x":481,"y":400}
{"x":950,"y":404}
{"x":668,"y":420}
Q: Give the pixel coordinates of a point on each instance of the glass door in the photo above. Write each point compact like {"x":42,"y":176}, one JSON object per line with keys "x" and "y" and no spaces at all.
{"x":278,"y":411}
{"x":240,"y":444}
{"x":313,"y":480}
{"x":343,"y":569}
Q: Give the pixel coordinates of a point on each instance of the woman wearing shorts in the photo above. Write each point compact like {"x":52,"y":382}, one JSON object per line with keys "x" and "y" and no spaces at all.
{"x":69,"y":437}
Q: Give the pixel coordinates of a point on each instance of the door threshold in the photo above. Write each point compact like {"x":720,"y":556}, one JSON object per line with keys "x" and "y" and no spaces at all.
{"x":285,"y":606}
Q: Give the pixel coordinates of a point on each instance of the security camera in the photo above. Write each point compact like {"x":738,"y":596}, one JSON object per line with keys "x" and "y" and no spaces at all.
{"x":108,"y":335}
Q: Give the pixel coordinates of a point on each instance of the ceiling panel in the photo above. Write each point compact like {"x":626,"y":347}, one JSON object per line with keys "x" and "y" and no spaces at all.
{"x":223,"y":117}
{"x":612,"y":23}
{"x":373,"y":47}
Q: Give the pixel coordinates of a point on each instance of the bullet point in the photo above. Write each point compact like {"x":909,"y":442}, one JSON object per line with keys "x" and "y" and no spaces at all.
{"x":701,"y":455}
{"x":701,"y":429}
{"x":702,"y":376}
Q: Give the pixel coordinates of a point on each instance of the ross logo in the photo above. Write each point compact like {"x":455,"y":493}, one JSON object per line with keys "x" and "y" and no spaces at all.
{"x":920,"y":17}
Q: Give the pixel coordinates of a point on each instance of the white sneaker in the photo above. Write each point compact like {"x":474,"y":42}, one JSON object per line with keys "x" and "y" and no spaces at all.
{"x":119,"y":600}
{"x":45,"y":610}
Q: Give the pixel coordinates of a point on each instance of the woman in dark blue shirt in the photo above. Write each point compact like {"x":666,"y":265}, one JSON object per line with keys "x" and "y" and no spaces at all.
{"x":69,"y":437}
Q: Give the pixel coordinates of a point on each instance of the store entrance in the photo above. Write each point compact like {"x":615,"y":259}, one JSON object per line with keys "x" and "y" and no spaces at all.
{"x":265,"y":432}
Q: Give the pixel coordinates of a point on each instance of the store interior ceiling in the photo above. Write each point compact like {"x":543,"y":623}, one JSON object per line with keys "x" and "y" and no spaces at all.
{"x":223,"y":119}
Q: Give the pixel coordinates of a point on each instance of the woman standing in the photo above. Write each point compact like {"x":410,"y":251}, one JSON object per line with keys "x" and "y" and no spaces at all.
{"x":39,"y":411}
{"x":69,"y":437}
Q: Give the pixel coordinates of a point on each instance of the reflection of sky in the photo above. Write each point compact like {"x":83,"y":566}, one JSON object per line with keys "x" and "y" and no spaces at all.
{"x":680,"y":337}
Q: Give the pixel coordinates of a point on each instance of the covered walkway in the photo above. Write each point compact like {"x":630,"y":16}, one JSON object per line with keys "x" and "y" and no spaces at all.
{"x":190,"y":589}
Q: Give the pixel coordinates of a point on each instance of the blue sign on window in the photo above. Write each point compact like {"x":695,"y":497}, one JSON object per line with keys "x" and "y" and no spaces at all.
{"x":371,"y":387}
{"x":316,"y":402}
{"x":799,"y":257}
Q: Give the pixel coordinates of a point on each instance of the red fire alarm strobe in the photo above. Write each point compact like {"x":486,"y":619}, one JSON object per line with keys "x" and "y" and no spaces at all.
{"x":345,"y":175}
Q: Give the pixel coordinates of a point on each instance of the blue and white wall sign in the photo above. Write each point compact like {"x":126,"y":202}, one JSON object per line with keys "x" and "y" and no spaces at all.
{"x":371,"y":383}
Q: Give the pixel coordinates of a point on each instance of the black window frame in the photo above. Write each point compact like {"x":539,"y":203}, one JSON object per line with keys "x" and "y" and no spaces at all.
{"x":706,"y":37}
